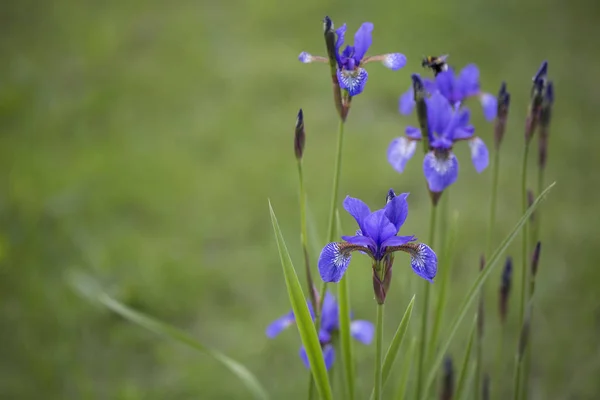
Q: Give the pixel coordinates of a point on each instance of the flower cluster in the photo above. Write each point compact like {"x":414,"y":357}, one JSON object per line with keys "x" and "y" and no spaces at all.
{"x":360,"y":330}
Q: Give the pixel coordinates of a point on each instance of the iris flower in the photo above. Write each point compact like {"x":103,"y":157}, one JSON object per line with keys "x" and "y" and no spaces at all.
{"x":350,"y":61}
{"x":446,"y":125}
{"x":455,"y":88}
{"x":376,"y":237}
{"x":360,"y":330}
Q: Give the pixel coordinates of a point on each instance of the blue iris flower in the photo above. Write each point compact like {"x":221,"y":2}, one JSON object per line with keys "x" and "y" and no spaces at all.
{"x":350,"y":61}
{"x":361,"y":330}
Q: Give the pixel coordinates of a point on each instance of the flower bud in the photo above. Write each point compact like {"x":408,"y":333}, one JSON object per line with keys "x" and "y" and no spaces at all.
{"x":299,"y":136}
{"x":545,"y":117}
{"x":390,"y":196}
{"x":505,"y":285}
{"x":535,"y":259}
{"x":420,"y":95}
{"x":329,"y":33}
{"x":502,"y":115}
{"x":447,"y":390}
{"x":537,"y":89}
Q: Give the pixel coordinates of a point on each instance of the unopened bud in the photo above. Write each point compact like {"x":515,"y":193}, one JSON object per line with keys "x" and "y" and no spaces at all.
{"x":420,"y":95}
{"x":505,"y":285}
{"x":537,"y":89}
{"x":299,"y":136}
{"x":390,"y":196}
{"x":545,"y":118}
{"x":329,"y":33}
{"x":530,"y":200}
{"x":447,"y":389}
{"x":535,"y":259}
{"x":502,"y":115}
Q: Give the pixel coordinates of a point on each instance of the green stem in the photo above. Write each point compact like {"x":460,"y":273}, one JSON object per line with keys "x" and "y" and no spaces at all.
{"x":500,"y":359}
{"x":517,"y":378}
{"x":378,"y":352}
{"x":536,"y":225}
{"x":425,"y":316}
{"x":524,"y":239}
{"x":304,"y":237}
{"x":334,"y":199}
{"x":345,"y":337}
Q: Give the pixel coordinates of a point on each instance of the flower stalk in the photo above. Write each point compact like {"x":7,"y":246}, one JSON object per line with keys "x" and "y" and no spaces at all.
{"x":377,"y":389}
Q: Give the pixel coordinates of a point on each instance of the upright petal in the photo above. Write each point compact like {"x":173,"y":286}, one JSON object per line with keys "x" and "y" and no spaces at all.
{"x":329,"y":313}
{"x":357,"y":208}
{"x":363,"y":331}
{"x":446,"y":84}
{"x":400,"y":151}
{"x":479,"y":154}
{"x":407,"y":102}
{"x":397,"y":210}
{"x":423,"y":260}
{"x":439,"y":112}
{"x":468,"y":81}
{"x":413,"y":132}
{"x":489,"y":103}
{"x":378,"y":227}
{"x":353,"y":81}
{"x":328,"y":355}
{"x":394,"y":61}
{"x":362,"y":40}
{"x":440,"y":171}
{"x":333,"y":262}
{"x":340,"y":33}
{"x":277,"y":326}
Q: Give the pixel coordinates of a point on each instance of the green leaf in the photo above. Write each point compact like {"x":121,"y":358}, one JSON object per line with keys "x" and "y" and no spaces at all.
{"x":474,"y":290}
{"x":344,"y":316}
{"x":392,"y":352}
{"x":465,"y":365}
{"x":304,"y":322}
{"x":90,"y":289}
{"x":406,"y":364}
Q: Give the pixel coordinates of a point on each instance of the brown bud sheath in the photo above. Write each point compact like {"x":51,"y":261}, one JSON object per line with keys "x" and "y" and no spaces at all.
{"x":299,"y":136}
{"x":382,"y":278}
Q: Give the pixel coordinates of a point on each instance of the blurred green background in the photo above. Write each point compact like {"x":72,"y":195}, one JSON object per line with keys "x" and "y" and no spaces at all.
{"x":140,"y":140}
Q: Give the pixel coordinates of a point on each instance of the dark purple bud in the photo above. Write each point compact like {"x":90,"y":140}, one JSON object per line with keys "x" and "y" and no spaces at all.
{"x":535,"y":259}
{"x":420,"y":95}
{"x":447,"y":389}
{"x":505,"y":285}
{"x":485,"y":392}
{"x":541,"y":73}
{"x":299,"y":136}
{"x":537,"y":90}
{"x":329,"y":34}
{"x":382,"y":278}
{"x":390,"y":196}
{"x":481,"y":262}
{"x":500,"y":123}
{"x":530,"y":200}
{"x":545,"y":118}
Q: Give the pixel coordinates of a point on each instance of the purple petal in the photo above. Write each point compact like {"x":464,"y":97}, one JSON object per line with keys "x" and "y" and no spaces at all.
{"x":463,"y":133}
{"x":400,"y":151}
{"x":324,"y":336}
{"x":413,"y":132}
{"x":407,"y":102}
{"x":439,"y":112}
{"x":459,"y":120}
{"x":397,"y":241}
{"x":361,"y":240}
{"x":424,"y":262}
{"x":429,"y":85}
{"x":328,"y":355}
{"x":479,"y":154}
{"x":446,"y":85}
{"x":394,"y":61}
{"x":468,"y":81}
{"x":441,"y":171}
{"x":340,"y":32}
{"x":378,"y":227}
{"x":357,"y":208}
{"x":363,"y":331}
{"x":397,"y":210}
{"x":280,"y":324}
{"x":305,"y":57}
{"x":333,"y":263}
{"x":329,"y":313}
{"x":489,"y":103}
{"x":362,"y":40}
{"x":353,"y":81}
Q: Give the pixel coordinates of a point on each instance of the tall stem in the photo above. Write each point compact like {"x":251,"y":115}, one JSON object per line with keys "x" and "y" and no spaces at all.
{"x":304,"y":237}
{"x":524,"y":238}
{"x":334,"y":197}
{"x":378,"y":352}
{"x":517,"y":379}
{"x":499,"y":360}
{"x":425,"y":316}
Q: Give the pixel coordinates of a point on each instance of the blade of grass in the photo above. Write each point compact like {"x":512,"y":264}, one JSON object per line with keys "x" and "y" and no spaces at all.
{"x":90,"y":289}
{"x":392,"y":352}
{"x":460,"y":387}
{"x":406,"y":364}
{"x":344,"y":317}
{"x":304,"y":321}
{"x":473,"y":291}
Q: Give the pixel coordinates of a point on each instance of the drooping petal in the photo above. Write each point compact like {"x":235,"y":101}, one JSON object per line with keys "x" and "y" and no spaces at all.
{"x":394,"y":61}
{"x":328,"y":355}
{"x":357,"y":208}
{"x":407,"y":102}
{"x":378,"y":227}
{"x":439,"y":112}
{"x":468,"y":81}
{"x":479,"y":154}
{"x":489,"y":103}
{"x":396,"y":210}
{"x":362,"y":40}
{"x":423,"y":260}
{"x":395,"y":241}
{"x":413,"y":132}
{"x":400,"y":151}
{"x":441,"y":171}
{"x":329,"y":313}
{"x":363,"y":331}
{"x":277,"y":326}
{"x":353,"y":81}
{"x":335,"y":258}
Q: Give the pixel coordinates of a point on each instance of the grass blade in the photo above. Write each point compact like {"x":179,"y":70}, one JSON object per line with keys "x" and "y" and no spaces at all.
{"x":465,"y":365}
{"x":408,"y":358}
{"x":304,"y":322}
{"x":90,"y":289}
{"x":474,"y":290}
{"x":392,"y":352}
{"x":345,"y":337}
